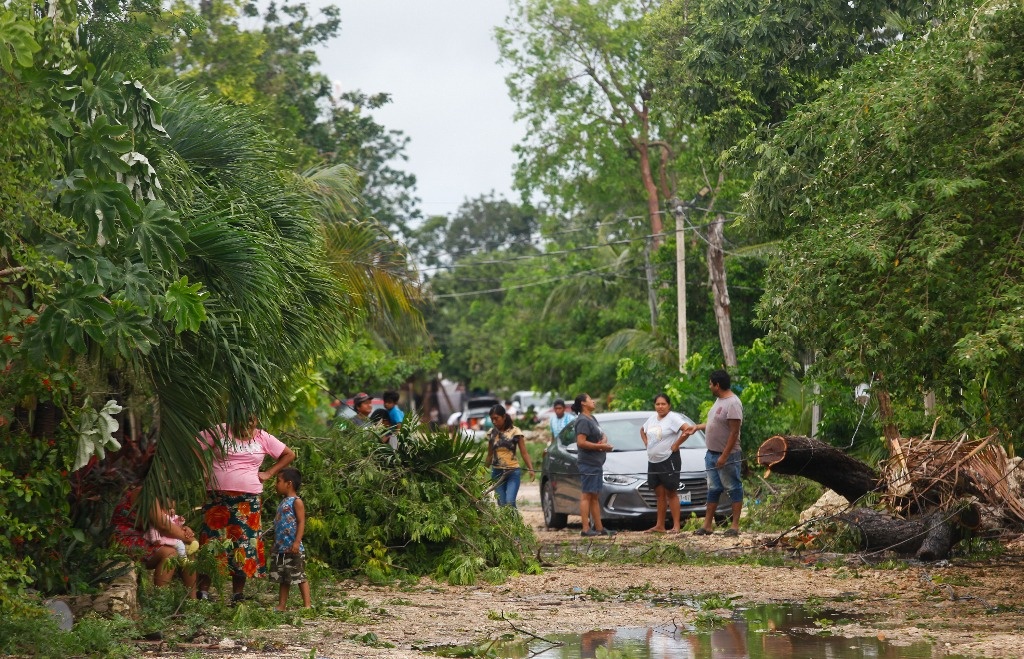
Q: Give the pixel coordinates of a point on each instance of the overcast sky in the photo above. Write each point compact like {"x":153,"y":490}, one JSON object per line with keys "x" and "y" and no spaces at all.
{"x":438,"y":60}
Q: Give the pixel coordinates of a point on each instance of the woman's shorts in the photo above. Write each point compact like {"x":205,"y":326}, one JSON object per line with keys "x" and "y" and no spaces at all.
{"x":288,"y":569}
{"x":591,"y":479}
{"x":665,"y":473}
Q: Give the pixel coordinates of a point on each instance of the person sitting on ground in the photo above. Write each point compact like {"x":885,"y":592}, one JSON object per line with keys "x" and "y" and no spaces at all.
{"x":128,"y":532}
{"x":156,"y":536}
{"x":289,"y":526}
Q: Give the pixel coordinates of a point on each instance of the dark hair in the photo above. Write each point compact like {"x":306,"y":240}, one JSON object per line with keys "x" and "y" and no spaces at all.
{"x":291,"y":475}
{"x":500,"y":411}
{"x":721,"y":378}
{"x":390,"y":397}
{"x":379,"y":415}
{"x":558,"y":401}
{"x":577,"y":404}
{"x":662,"y":395}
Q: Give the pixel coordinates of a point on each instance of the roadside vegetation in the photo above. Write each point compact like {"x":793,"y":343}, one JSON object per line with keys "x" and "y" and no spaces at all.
{"x":195,"y":230}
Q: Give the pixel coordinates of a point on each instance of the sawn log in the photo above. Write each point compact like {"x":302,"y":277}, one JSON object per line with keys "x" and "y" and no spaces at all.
{"x":803,"y":456}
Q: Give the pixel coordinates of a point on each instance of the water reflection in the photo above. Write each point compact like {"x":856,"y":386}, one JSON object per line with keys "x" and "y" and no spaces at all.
{"x":765,"y":632}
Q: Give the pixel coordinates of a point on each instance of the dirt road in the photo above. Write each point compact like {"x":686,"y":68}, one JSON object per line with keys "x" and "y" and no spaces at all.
{"x":969,"y":610}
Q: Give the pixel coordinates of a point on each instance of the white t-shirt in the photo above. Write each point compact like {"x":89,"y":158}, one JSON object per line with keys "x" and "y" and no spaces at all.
{"x":661,"y":433}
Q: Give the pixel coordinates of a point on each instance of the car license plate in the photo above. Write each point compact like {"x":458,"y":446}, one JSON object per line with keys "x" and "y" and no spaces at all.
{"x":684,"y":497}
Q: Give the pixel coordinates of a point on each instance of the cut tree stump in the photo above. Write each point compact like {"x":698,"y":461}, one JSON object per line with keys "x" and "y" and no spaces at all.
{"x":803,"y":456}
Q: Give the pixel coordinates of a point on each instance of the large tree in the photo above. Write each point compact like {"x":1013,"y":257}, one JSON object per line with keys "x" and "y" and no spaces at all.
{"x":899,"y":193}
{"x":596,"y":135}
{"x":274,"y":68}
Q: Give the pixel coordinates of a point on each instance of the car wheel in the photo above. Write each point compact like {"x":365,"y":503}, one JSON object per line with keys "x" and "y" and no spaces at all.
{"x":552,"y":520}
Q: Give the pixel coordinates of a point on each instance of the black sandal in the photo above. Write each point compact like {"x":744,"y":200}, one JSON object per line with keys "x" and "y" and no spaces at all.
{"x":703,"y":531}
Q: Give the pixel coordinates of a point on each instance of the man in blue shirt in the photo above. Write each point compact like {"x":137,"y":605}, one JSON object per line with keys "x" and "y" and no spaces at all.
{"x":560,"y":419}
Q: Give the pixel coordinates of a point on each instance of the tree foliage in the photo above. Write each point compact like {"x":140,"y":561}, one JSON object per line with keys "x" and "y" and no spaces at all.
{"x":898,"y":193}
{"x":597,"y":136}
{"x":419,"y":510}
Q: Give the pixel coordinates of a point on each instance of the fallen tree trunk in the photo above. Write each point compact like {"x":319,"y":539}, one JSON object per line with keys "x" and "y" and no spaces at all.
{"x":804,"y":456}
{"x":880,"y":531}
{"x":929,"y":537}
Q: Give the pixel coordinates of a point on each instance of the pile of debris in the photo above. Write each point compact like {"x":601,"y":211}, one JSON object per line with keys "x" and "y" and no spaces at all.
{"x":931,"y":493}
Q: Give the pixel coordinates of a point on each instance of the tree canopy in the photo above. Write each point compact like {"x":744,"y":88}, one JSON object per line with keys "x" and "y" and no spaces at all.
{"x":898,"y":196}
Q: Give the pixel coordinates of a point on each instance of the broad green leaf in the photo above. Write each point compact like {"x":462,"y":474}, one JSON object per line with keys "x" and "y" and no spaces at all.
{"x":16,"y":41}
{"x":160,"y":235}
{"x":185,"y":305}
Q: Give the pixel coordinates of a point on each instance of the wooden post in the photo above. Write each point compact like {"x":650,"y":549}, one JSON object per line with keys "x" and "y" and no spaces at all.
{"x":679,"y":210}
{"x":720,"y":288}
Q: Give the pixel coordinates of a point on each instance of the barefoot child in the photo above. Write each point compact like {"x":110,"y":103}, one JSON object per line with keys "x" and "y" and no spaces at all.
{"x":289,"y":525}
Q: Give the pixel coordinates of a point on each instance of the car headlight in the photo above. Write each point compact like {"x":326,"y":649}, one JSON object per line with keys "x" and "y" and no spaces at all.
{"x":616,"y":479}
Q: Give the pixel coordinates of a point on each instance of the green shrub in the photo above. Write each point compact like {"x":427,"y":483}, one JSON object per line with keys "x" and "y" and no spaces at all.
{"x":423,"y":509}
{"x":33,"y":632}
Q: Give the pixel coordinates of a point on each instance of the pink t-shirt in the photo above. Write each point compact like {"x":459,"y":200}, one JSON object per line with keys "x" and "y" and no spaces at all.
{"x":239,"y":469}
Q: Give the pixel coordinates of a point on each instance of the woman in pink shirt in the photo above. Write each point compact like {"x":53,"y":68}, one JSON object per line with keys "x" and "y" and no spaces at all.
{"x":233,"y":502}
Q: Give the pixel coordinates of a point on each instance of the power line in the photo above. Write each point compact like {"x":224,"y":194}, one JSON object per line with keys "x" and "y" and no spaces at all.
{"x":563,"y":252}
{"x":515,"y":287}
{"x":531,"y":241}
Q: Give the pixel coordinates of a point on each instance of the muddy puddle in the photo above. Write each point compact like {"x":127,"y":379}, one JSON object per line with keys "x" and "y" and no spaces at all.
{"x":775,"y":631}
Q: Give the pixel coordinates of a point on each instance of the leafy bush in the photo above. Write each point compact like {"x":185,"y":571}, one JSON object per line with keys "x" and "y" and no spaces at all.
{"x":33,"y":632}
{"x":422,"y":509}
{"x":42,"y":546}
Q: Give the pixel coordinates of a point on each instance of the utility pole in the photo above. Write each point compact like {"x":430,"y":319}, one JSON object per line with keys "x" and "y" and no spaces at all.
{"x":681,"y":211}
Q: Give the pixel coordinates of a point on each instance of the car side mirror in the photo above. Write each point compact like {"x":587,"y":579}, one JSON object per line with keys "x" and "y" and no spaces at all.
{"x":572,"y":448}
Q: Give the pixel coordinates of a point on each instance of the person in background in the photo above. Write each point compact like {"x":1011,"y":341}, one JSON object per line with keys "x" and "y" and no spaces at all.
{"x":724,"y":456}
{"x":289,"y":527}
{"x":593,"y":445}
{"x":560,"y":419}
{"x":661,"y":435}
{"x":395,"y":416}
{"x":502,"y":443}
{"x":363,"y":405}
{"x":233,"y":498}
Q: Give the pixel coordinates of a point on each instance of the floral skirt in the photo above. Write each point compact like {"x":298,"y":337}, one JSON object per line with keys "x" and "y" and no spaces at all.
{"x":235,"y":518}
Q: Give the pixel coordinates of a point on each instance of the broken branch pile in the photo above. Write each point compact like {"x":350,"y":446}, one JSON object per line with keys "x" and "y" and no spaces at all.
{"x":934,"y":491}
{"x":925,"y":474}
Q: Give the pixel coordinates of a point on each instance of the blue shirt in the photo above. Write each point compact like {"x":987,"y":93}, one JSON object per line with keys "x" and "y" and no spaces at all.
{"x":557,"y":425}
{"x":396,"y":415}
{"x":286,"y":526}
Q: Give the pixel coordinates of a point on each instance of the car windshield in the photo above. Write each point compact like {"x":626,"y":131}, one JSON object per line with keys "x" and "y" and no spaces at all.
{"x":624,"y":434}
{"x":537,"y":401}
